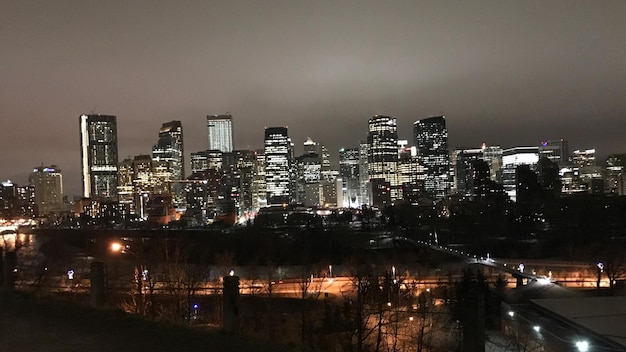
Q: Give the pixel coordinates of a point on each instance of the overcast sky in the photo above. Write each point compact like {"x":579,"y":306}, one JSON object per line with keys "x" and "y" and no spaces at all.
{"x":503,"y":72}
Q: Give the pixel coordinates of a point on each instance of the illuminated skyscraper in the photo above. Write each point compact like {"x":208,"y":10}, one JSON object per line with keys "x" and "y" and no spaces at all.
{"x":278,"y":162}
{"x":308,"y":176}
{"x":584,"y":158}
{"x":98,"y":140}
{"x":513,"y":158}
{"x":169,"y":149}
{"x":431,"y":140}
{"x":259,"y":189}
{"x":349,"y":173}
{"x":48,"y":185}
{"x":616,"y":174}
{"x":382,"y":158}
{"x":363,"y":172}
{"x":220,"y":132}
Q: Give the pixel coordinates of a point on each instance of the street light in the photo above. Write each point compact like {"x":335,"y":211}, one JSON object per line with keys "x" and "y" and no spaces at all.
{"x":140,"y":274}
{"x":582,"y":345}
{"x":116,"y":247}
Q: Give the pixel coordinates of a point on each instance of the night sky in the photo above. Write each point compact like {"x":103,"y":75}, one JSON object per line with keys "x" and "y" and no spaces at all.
{"x":503,"y":72}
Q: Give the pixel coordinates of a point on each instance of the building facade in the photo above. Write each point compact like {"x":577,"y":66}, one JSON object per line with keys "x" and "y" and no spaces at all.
{"x":512,"y":158}
{"x":48,"y":185}
{"x":169,"y":149}
{"x":98,"y":138}
{"x":382,"y":141}
{"x":430,"y":137}
{"x":278,"y":165}
{"x":349,"y":172}
{"x":220,"y":132}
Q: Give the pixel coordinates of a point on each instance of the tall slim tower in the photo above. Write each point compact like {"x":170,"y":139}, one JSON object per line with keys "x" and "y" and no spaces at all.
{"x":98,"y":152}
{"x":278,"y":160}
{"x":169,"y":148}
{"x":431,"y":140}
{"x":382,"y":157}
{"x":220,"y":132}
{"x":349,"y":172}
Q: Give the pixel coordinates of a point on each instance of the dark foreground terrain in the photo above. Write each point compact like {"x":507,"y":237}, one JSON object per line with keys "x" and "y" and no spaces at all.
{"x":28,"y":324}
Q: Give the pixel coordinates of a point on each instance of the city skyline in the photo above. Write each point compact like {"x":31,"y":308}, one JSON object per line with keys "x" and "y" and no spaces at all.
{"x":509,"y":74}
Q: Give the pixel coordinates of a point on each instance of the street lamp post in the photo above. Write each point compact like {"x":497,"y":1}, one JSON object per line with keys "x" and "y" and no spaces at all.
{"x":140,"y":274}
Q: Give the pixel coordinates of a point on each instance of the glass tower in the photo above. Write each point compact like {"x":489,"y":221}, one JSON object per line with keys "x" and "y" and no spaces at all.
{"x":169,"y":149}
{"x":431,"y":141}
{"x":382,"y":158}
{"x":220,"y":132}
{"x":98,"y":139}
{"x":278,"y":155}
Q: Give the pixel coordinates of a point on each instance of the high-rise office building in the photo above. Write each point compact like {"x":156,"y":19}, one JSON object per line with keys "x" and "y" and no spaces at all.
{"x":556,"y":151}
{"x":9,"y":201}
{"x":616,"y":174}
{"x":169,"y":149}
{"x":350,"y":177}
{"x":431,"y":140}
{"x":382,"y":141}
{"x":513,"y":158}
{"x":206,"y":159}
{"x":584,"y":158}
{"x":463,"y":161}
{"x":278,"y":163}
{"x":220,"y":132}
{"x":410,"y":173}
{"x":591,"y":175}
{"x":259,"y":188}
{"x":48,"y":185}
{"x":98,"y":139}
{"x":310,"y":146}
{"x":308,"y":175}
{"x":364,"y":172}
{"x":493,"y":156}
{"x":125,"y":186}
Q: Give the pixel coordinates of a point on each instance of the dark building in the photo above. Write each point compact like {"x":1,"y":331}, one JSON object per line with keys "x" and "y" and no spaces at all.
{"x":616,"y":174}
{"x":8,"y":200}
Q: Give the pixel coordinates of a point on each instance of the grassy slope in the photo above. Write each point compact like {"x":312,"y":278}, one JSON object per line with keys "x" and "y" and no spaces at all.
{"x":27,"y":324}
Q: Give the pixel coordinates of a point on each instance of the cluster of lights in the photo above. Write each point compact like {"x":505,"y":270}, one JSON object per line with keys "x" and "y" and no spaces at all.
{"x":581,"y":345}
